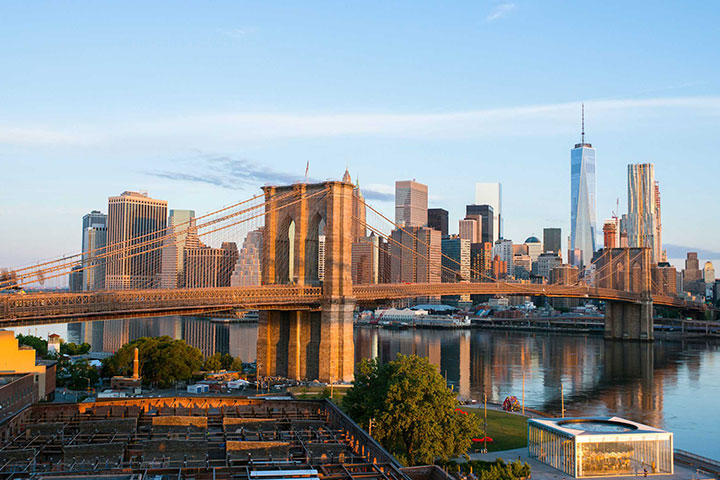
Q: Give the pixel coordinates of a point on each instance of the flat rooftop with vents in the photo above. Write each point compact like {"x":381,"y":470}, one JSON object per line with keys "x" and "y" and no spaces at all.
{"x":191,"y":438}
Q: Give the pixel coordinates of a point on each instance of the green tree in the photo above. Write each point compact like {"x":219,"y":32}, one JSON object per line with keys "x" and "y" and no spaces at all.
{"x":226,"y":361}
{"x":40,"y":345}
{"x":162,"y":360}
{"x":236,"y":365}
{"x":213,"y":363}
{"x":74,"y":349}
{"x":413,"y":410}
{"x":75,"y":375}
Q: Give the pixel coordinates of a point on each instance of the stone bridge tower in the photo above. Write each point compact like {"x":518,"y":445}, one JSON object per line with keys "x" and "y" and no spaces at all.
{"x":630,"y":270}
{"x":301,"y":222}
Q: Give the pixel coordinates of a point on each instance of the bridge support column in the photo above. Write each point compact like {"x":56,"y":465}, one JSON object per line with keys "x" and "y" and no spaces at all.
{"x":337,"y":348}
{"x":629,"y":321}
{"x":289,"y":344}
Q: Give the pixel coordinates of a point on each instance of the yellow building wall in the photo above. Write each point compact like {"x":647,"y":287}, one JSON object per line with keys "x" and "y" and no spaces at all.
{"x":14,"y":359}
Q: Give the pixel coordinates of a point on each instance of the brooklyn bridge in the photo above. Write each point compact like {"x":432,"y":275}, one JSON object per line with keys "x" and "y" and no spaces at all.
{"x":306,"y":294}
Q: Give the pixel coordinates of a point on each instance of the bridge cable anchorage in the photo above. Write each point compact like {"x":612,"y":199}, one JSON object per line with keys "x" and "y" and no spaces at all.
{"x":127,"y":246}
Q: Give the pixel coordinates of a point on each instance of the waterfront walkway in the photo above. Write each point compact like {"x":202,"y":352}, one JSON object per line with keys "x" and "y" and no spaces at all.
{"x":541,"y":471}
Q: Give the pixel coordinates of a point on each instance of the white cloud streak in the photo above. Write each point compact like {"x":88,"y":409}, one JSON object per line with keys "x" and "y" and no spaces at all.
{"x":500,"y":11}
{"x":228,"y":129}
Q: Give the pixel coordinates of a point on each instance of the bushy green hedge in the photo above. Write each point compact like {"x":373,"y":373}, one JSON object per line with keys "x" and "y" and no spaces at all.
{"x":497,"y":470}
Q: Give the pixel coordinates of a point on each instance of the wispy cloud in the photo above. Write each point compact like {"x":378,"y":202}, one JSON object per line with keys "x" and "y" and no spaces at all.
{"x":229,"y":130}
{"x":500,"y":11}
{"x":223,"y":171}
{"x":378,"y":191}
{"x":240,"y":32}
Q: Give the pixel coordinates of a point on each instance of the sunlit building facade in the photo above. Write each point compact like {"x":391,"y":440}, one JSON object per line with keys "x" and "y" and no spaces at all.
{"x":643,"y":227}
{"x":136,"y":224}
{"x":582,"y":203}
{"x":411,"y":204}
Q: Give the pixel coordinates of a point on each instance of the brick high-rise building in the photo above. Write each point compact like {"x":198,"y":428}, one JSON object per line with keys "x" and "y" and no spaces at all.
{"x":134,"y":219}
{"x":418,"y":260}
{"x":469,"y":229}
{"x":411,"y":204}
{"x":611,"y":237}
{"x":207,"y":267}
{"x":366,"y":260}
{"x":692,"y":272}
{"x":481,"y":261}
{"x":564,"y":275}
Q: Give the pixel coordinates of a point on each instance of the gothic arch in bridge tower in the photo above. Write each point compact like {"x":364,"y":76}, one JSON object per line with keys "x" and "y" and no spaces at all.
{"x":619,"y":272}
{"x":284,"y":248}
{"x":636,"y":277}
{"x":316,"y":228}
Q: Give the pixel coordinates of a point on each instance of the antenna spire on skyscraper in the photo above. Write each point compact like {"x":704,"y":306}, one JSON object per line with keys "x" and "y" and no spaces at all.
{"x":582,"y":141}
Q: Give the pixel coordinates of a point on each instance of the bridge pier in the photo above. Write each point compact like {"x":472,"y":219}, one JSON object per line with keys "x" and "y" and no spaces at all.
{"x":629,"y":321}
{"x":304,"y":345}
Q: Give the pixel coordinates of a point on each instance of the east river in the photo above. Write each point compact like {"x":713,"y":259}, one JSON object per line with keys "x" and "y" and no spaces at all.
{"x":671,"y":384}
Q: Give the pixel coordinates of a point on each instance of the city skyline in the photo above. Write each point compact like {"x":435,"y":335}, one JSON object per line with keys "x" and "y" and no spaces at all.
{"x":215,"y":137}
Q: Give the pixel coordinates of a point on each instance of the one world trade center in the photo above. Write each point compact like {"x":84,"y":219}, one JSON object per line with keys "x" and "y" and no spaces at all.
{"x":582,"y":201}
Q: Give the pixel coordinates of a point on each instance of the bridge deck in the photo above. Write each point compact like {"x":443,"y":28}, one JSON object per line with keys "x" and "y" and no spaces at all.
{"x":39,"y":308}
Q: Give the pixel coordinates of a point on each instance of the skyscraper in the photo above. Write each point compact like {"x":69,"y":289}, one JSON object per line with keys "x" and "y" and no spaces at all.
{"x":552,"y":240}
{"x":248,"y":269}
{"x":481,"y":261}
{"x":94,"y":241}
{"x":135,"y":224}
{"x":491,"y":194}
{"x":503,"y":249}
{"x":486,"y":214}
{"x":455,"y":259}
{"x":438,"y":219}
{"x":643,"y":213}
{"x":415,"y":255}
{"x":582,"y":201}
{"x":180,"y":222}
{"x":411,"y":204}
{"x":469,"y":229}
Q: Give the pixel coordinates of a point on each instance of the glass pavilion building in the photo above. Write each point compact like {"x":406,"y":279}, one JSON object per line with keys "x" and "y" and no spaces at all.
{"x":582,"y":204}
{"x":600,"y":446}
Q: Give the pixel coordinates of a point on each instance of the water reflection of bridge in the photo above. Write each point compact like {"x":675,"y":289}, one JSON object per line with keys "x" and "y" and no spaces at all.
{"x":237,"y":339}
{"x":627,"y":379}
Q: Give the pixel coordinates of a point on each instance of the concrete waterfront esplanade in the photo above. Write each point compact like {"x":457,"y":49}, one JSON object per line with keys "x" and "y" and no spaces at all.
{"x":308,"y":344}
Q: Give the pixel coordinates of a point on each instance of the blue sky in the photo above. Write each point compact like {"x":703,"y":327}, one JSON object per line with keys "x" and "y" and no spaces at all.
{"x":201,"y":102}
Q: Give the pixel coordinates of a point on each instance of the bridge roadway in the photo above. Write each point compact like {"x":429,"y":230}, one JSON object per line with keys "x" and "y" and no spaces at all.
{"x":45,"y":308}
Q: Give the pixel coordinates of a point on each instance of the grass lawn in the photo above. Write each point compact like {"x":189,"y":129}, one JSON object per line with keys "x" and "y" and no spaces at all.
{"x":312,"y":393}
{"x":508,"y":430}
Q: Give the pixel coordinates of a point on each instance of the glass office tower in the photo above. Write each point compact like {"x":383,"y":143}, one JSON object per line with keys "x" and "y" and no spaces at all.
{"x":582,"y":202}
